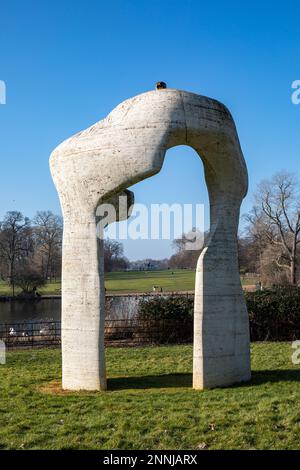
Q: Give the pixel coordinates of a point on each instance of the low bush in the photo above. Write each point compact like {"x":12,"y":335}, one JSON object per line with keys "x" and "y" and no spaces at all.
{"x":165,"y":320}
{"x":281,"y":303}
{"x":175,"y":307}
{"x":274,"y":315}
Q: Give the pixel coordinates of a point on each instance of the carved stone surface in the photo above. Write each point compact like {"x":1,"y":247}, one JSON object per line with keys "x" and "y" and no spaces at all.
{"x":128,"y":146}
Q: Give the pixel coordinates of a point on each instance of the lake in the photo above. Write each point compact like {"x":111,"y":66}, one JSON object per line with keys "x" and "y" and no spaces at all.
{"x":116,"y":307}
{"x":18,"y":311}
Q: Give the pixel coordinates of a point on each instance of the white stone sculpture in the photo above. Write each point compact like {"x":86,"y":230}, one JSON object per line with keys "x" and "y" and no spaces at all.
{"x":128,"y":146}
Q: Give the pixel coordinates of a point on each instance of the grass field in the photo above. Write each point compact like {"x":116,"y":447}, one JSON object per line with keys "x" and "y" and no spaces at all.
{"x":53,"y":288}
{"x":150,"y":403}
{"x":133,"y":281}
{"x":143,"y":281}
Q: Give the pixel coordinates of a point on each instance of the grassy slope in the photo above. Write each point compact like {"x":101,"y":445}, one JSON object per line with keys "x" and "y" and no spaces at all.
{"x":143,"y":281}
{"x":135,"y":281}
{"x":150,"y":404}
{"x":49,"y":289}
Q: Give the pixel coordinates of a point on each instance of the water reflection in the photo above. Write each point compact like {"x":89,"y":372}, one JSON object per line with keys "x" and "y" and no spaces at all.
{"x":17,"y":311}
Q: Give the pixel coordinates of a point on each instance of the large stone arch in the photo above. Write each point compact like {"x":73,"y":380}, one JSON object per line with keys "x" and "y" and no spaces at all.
{"x":128,"y":146}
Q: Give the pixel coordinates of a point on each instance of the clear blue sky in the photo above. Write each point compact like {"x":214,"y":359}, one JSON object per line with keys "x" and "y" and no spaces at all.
{"x":67,"y":63}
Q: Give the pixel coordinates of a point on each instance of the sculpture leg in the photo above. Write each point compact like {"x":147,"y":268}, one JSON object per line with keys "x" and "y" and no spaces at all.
{"x":83,"y":297}
{"x":221,"y":329}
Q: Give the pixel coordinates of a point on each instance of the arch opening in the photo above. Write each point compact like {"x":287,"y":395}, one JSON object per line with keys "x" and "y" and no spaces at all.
{"x":180,"y":181}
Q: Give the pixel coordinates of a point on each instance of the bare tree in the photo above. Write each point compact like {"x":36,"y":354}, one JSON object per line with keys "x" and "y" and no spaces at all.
{"x":48,"y":229}
{"x":275,"y":221}
{"x":184,"y":256}
{"x":28,"y":278}
{"x":15,"y":242}
{"x":248,"y":254}
{"x":113,"y":255}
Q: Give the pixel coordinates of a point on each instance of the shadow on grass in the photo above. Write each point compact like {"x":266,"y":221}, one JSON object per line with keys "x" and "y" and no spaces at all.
{"x":151,"y":381}
{"x":260,"y":377}
{"x":185,"y":380}
{"x":148,"y":382}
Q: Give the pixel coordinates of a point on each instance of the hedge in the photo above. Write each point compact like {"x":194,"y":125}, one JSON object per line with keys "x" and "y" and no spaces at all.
{"x":274,"y":315}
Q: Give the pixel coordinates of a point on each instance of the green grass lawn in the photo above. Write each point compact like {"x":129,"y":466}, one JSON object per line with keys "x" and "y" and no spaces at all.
{"x":134,"y":281}
{"x":150,"y":403}
{"x":53,"y":288}
{"x":143,"y":281}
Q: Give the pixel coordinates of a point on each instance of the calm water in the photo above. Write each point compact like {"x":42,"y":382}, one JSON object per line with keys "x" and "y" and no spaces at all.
{"x":20,"y":311}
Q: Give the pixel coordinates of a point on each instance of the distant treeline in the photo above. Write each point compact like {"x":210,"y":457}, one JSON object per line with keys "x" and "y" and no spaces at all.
{"x":31,"y":250}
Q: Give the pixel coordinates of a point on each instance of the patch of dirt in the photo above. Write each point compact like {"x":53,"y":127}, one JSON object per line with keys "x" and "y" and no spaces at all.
{"x":55,"y":388}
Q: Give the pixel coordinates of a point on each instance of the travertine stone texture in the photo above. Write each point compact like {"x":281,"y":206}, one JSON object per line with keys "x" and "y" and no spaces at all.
{"x":100,"y":162}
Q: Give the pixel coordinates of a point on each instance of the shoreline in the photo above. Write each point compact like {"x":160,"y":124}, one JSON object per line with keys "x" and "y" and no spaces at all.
{"x":9,"y":298}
